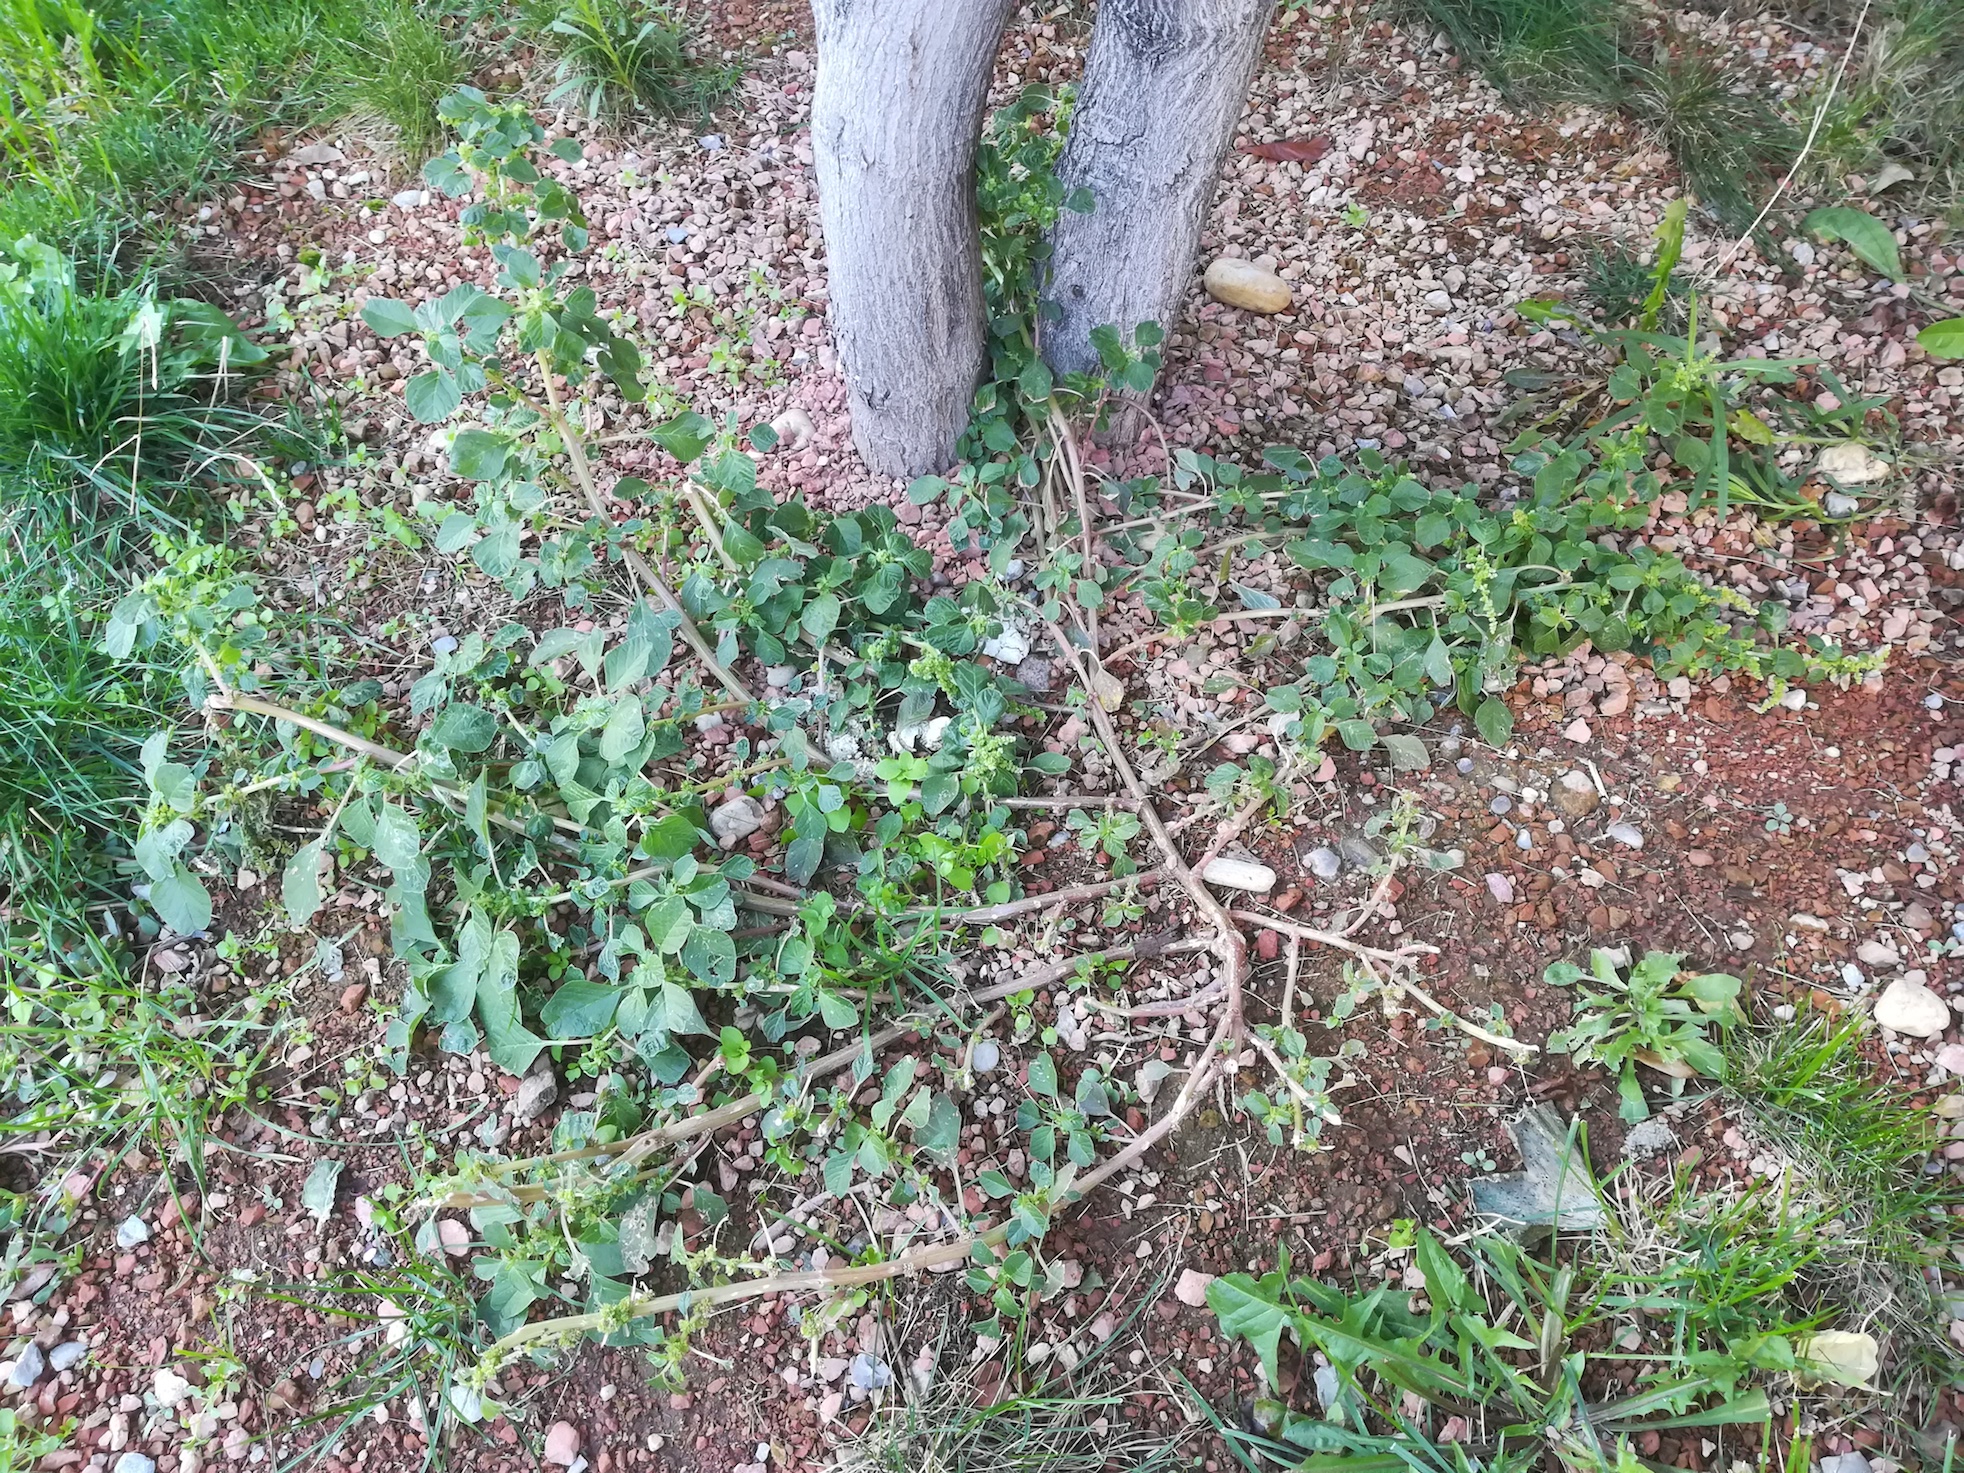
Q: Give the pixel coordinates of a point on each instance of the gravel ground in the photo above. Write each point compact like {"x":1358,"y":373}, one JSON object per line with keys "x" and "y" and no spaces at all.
{"x":1625,"y":809}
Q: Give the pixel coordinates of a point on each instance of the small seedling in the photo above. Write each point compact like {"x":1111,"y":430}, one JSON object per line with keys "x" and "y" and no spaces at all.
{"x":1111,"y":830}
{"x":1657,"y":1016}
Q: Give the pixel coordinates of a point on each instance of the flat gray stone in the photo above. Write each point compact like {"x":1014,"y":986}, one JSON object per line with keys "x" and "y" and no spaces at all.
{"x":536,"y":1092}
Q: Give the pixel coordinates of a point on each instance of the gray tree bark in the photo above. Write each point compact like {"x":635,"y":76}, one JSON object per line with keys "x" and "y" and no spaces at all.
{"x":895,"y":119}
{"x":1163,"y":88}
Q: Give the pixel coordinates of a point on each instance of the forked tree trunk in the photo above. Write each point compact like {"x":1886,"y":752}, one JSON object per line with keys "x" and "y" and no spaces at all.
{"x":1163,"y":87}
{"x":895,"y":119}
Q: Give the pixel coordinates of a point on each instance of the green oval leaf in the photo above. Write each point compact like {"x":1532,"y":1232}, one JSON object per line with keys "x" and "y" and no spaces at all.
{"x":1943,"y":339}
{"x":463,"y":728}
{"x":181,"y":902}
{"x":396,"y":841}
{"x":1495,"y":721}
{"x":389,"y":319}
{"x":1865,"y":235}
{"x":433,"y":395}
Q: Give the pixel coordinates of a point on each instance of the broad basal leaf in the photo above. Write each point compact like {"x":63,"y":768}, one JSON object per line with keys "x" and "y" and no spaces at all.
{"x":181,"y":901}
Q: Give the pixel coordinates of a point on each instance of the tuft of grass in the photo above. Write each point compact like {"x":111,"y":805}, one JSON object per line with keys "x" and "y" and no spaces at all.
{"x":71,"y":787}
{"x":399,"y":76}
{"x":1902,"y":105}
{"x":1533,"y":47}
{"x":942,"y":1424}
{"x":110,"y":403}
{"x":1811,"y":1093}
{"x":117,"y":115}
{"x":1859,"y":1153}
{"x":621,"y":57}
{"x":1055,"y":1433}
{"x":1730,"y":139}
{"x":1618,"y":284}
{"x":414,"y":1339}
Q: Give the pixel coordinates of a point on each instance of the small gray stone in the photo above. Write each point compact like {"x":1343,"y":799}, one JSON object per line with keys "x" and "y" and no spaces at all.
{"x":443,"y":644}
{"x":1845,"y":1463}
{"x":1627,"y":834}
{"x":68,"y":1353}
{"x":131,"y":1232}
{"x":1464,"y":767}
{"x":27,"y":1370}
{"x":536,"y":1092}
{"x":134,"y":1462}
{"x":869,"y":1373}
{"x":1357,"y":853}
{"x":1325,"y":863}
{"x":735,"y":819}
{"x":1500,"y":805}
{"x":1647,"y":1137}
{"x":1034,"y":673}
{"x":988,"y":1055}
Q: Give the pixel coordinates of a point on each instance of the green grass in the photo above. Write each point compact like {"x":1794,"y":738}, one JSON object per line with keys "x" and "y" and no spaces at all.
{"x":1902,"y":104}
{"x":71,"y":790}
{"x":115,"y":117}
{"x":1727,"y":136}
{"x":111,"y":402}
{"x":1075,"y":1427}
{"x":1809,"y":1090}
{"x":1617,"y":284}
{"x":1857,"y":1150}
{"x":420,"y":1356}
{"x":120,"y":416}
{"x":617,"y":58}
{"x":106,"y":1064}
{"x":398,"y":77}
{"x":1533,"y":47}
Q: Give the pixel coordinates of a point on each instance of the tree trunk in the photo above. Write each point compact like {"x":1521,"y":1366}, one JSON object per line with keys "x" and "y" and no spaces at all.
{"x":1163,"y":87}
{"x":895,"y":119}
